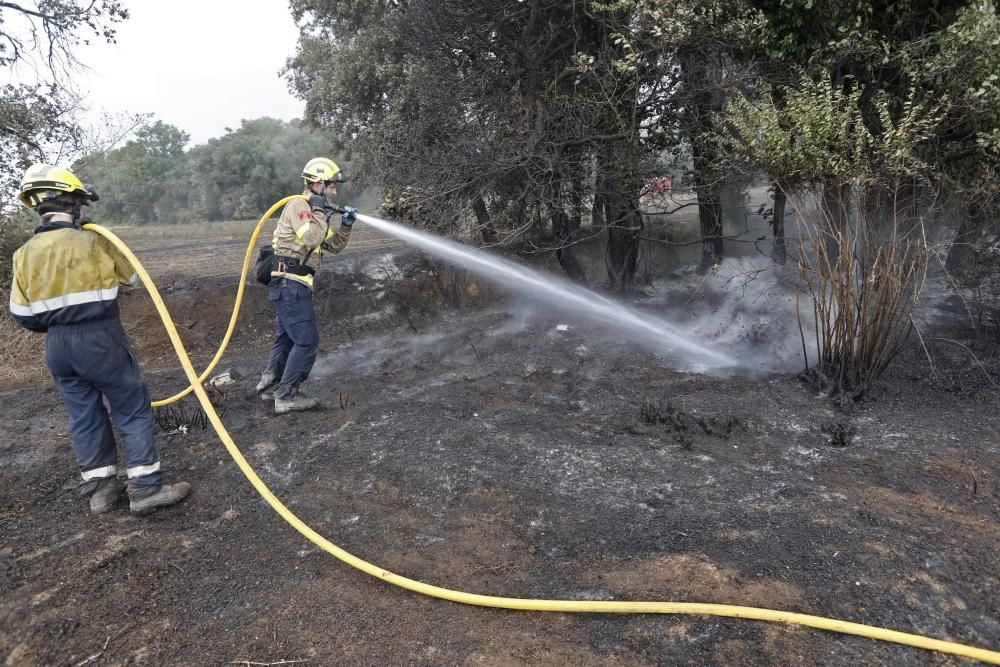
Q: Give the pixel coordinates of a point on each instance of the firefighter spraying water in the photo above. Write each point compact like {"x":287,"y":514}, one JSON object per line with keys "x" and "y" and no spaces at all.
{"x":303,"y":233}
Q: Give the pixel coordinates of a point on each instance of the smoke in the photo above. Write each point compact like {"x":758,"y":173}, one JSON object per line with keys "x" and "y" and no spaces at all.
{"x":745,"y":308}
{"x":739,"y":318}
{"x":384,"y":354}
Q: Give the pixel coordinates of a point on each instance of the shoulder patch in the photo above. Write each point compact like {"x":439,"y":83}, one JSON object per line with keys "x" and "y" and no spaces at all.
{"x":305,"y":215}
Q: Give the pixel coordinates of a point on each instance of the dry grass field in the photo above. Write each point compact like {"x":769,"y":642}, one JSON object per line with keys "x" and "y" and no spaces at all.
{"x":217,"y":248}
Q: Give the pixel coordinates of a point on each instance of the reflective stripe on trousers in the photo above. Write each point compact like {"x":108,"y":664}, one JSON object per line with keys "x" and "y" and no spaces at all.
{"x":90,"y":361}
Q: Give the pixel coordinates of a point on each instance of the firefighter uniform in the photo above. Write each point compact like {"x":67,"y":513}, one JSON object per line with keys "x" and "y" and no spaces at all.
{"x":66,"y":283}
{"x":302,"y":235}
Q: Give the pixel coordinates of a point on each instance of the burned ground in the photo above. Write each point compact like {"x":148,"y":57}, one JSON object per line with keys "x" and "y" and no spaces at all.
{"x":483,"y":451}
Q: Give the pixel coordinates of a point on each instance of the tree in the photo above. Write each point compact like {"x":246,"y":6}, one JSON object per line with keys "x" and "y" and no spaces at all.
{"x":153,"y":178}
{"x":514,"y":119}
{"x":967,"y":153}
{"x":41,"y":41}
{"x":886,"y":52}
{"x":507,"y":117}
{"x":240,"y":174}
{"x":453,"y":106}
{"x":692,"y":49}
{"x":857,"y":154}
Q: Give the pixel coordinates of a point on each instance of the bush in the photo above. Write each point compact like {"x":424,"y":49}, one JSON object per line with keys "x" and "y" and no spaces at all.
{"x":864,"y":275}
{"x":15,"y":229}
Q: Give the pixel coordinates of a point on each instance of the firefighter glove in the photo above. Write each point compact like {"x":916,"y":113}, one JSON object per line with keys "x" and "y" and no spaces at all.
{"x":349,"y":216}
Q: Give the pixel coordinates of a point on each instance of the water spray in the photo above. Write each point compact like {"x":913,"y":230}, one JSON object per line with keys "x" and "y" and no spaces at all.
{"x":654,"y":333}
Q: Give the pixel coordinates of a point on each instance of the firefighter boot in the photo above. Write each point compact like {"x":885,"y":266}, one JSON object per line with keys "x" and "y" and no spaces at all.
{"x":265,"y":388}
{"x":143,"y":500}
{"x":106,"y":495}
{"x":294,"y":403}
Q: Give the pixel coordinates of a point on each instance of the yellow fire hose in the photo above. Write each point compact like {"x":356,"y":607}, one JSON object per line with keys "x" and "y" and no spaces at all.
{"x":236,"y":305}
{"x":565,"y":606}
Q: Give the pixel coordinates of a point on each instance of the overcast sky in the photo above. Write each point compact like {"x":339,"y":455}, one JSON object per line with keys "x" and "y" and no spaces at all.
{"x":200,"y":65}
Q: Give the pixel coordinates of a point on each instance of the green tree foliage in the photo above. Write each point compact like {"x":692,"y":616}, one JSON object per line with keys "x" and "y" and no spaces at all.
{"x":852,"y":95}
{"x":967,"y":68}
{"x":40,"y":42}
{"x":963,"y":68}
{"x":152,"y":178}
{"x":816,"y":132}
{"x":880,"y":118}
{"x":135,"y":178}
{"x":901,"y":68}
{"x":242,"y":173}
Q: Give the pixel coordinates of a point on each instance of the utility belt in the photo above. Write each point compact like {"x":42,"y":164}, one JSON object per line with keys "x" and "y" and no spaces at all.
{"x":292,"y":265}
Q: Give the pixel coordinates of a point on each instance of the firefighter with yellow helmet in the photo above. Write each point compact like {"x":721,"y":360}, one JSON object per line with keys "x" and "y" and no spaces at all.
{"x":66,"y":282}
{"x":304,"y":231}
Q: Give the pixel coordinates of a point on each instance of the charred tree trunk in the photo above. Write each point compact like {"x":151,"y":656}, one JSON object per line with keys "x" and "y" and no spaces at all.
{"x":487,"y":231}
{"x":779,"y":251}
{"x":618,"y":166}
{"x":600,"y":205}
{"x":962,"y":254}
{"x":622,"y":259}
{"x":708,"y":188}
{"x":701,"y":72}
{"x":622,"y":250}
{"x":562,"y":228}
{"x":576,"y":201}
{"x":539,"y":228}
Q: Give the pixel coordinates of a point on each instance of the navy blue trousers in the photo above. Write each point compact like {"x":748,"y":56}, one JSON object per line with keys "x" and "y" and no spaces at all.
{"x":90,"y":361}
{"x":294,"y":351}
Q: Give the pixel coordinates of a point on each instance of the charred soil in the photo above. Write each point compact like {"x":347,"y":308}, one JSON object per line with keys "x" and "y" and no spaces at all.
{"x":475,"y":450}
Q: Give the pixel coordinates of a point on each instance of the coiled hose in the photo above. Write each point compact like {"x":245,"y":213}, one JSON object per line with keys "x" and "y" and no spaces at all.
{"x":565,"y":606}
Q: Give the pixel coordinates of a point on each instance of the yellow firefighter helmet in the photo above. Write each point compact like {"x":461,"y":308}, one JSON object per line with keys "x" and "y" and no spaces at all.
{"x":322,"y":169}
{"x":44,"y":181}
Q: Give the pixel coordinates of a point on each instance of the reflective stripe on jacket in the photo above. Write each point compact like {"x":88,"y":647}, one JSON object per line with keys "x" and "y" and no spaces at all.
{"x":301,"y":229}
{"x":65,"y":275}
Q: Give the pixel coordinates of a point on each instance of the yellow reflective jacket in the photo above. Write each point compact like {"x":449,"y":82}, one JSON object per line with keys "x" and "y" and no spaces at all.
{"x":301,"y":230}
{"x":65,"y":275}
